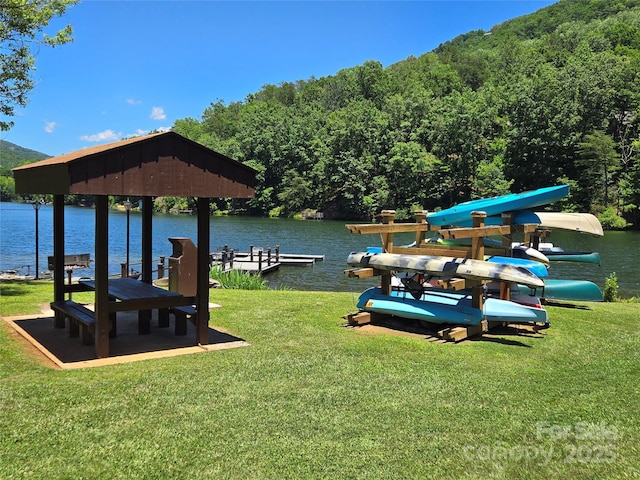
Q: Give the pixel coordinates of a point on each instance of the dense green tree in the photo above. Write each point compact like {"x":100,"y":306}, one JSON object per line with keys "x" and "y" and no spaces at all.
{"x":459,"y":133}
{"x":7,"y":188}
{"x":489,"y":180}
{"x":598,"y":163}
{"x":295,"y":192}
{"x":548,"y":98}
{"x":408,"y":173}
{"x":221,"y":119}
{"x":189,"y":128}
{"x":427,"y":72}
{"x":21,"y":30}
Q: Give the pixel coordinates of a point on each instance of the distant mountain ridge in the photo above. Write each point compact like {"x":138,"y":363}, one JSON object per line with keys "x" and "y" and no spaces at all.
{"x":12,"y":155}
{"x":542,"y":22}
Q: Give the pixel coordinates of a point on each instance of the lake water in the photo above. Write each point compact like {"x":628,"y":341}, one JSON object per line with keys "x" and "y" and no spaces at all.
{"x":618,"y":250}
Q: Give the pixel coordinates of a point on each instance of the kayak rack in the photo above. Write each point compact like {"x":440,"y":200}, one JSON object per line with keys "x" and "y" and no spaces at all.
{"x":476,"y":250}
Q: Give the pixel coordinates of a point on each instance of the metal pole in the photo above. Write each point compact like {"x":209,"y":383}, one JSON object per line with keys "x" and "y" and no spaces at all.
{"x":36,"y":206}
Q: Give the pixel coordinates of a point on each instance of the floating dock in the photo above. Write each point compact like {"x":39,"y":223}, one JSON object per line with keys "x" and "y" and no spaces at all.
{"x":260,"y":260}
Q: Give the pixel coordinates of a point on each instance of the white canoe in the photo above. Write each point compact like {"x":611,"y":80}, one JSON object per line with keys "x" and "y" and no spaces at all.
{"x":575,"y":222}
{"x":570,"y":221}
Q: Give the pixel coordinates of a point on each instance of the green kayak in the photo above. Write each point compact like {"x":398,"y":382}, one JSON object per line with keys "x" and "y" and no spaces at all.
{"x":555,"y":289}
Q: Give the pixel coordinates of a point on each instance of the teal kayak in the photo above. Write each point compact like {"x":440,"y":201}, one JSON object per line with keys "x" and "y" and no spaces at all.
{"x":569,"y":256}
{"x":556,"y":289}
{"x":498,"y":205}
{"x":445,"y":306}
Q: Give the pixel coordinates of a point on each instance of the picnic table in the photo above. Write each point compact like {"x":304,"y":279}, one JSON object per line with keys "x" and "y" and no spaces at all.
{"x":128,"y":294}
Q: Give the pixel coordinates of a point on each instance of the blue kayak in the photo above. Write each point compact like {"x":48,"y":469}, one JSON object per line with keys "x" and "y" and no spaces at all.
{"x":497,"y":205}
{"x":445,"y":306}
{"x":537,"y":268}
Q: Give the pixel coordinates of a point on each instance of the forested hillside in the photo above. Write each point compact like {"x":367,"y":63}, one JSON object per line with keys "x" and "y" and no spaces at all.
{"x":11,"y":156}
{"x":544,"y":99}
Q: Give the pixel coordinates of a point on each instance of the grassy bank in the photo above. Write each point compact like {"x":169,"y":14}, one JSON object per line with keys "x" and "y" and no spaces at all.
{"x":312,"y":399}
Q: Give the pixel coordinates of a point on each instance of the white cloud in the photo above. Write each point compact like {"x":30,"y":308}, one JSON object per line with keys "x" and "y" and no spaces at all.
{"x":132,"y":101}
{"x":49,"y":127}
{"x":157,"y":113}
{"x":102,"y":136}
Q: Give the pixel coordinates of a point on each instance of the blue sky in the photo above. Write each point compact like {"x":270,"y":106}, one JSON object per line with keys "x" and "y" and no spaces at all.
{"x":137,"y":66}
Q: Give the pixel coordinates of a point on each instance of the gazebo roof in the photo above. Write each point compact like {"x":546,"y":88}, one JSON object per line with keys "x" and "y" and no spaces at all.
{"x":161,"y":164}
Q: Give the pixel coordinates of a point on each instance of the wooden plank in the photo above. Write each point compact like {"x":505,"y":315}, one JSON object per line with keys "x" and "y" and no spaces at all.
{"x":388,"y":217}
{"x":142,"y":304}
{"x":434,"y":249}
{"x":453,"y":250}
{"x":453,"y":283}
{"x":457,"y":334}
{"x":131,"y":289}
{"x":75,"y":310}
{"x":76,"y":287}
{"x":362,"y":272}
{"x":472,"y":232}
{"x":421,"y":218}
{"x":359,"y":318}
{"x":390,"y":228}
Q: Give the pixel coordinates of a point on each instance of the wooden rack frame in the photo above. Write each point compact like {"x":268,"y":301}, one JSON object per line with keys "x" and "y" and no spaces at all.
{"x":476,"y":251}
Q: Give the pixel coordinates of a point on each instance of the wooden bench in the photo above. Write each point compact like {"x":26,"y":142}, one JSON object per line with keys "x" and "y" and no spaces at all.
{"x":182,"y":314}
{"x":82,"y":321}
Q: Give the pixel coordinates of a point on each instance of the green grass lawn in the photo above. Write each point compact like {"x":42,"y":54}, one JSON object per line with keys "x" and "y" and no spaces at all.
{"x":312,"y":399}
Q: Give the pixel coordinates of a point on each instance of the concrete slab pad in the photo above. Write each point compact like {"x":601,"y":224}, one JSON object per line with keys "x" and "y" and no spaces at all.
{"x":57,"y":348}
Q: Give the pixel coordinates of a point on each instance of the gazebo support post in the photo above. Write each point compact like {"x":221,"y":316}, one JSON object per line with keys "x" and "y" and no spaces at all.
{"x":102,"y":276}
{"x":58,"y":256}
{"x":144,"y":316}
{"x":202,"y":319}
{"x":147,"y":239}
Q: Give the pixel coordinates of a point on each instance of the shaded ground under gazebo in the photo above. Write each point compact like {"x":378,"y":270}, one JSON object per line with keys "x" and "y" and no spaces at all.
{"x":162,"y":164}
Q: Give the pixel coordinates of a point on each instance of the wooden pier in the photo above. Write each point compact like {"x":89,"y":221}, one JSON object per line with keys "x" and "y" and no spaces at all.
{"x":312,"y":215}
{"x":260,"y":260}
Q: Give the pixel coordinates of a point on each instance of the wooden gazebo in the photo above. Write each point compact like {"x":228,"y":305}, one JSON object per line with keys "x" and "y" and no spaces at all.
{"x":162,"y":164}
